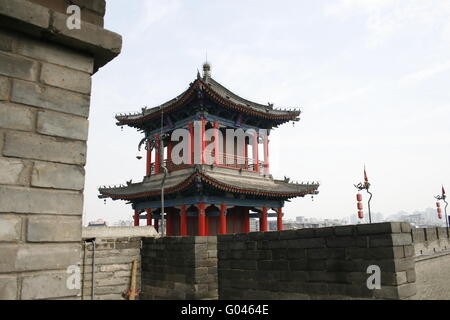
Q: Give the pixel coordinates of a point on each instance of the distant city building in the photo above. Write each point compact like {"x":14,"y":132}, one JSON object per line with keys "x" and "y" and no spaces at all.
{"x":123,"y":223}
{"x":301,"y":222}
{"x":97,"y":223}
{"x":418,"y":219}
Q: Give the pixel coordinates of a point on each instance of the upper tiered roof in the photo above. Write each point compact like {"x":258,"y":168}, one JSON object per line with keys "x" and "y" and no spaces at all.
{"x":207,"y":87}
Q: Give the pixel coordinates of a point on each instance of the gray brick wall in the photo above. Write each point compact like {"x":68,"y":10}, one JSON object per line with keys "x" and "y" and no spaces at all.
{"x":91,"y":11}
{"x":112,"y":270}
{"x":324,"y":263}
{"x":429,"y":241}
{"x":45,"y":87}
{"x":179,"y":268}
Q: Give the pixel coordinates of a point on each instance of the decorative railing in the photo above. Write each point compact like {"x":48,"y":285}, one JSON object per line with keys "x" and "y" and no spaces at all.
{"x":225,"y":160}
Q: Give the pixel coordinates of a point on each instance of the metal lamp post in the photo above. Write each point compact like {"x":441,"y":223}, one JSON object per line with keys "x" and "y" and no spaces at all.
{"x":365,"y":186}
{"x":443,"y":197}
{"x":163,"y":167}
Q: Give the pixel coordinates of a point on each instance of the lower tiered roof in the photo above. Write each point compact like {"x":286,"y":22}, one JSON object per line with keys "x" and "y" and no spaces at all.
{"x":222,"y":179}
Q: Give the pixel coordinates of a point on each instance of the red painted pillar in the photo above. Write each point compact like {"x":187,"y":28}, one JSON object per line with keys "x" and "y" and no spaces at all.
{"x":266,"y":154}
{"x":280,"y":219}
{"x":183,"y":221}
{"x":157,"y":155}
{"x":263,"y":220}
{"x":223,"y":219}
{"x":149,"y":216}
{"x":216,"y":142}
{"x":201,"y":219}
{"x":246,"y":219}
{"x":136,"y":218}
{"x":255,"y":152}
{"x":191,"y":143}
{"x":149,"y":160}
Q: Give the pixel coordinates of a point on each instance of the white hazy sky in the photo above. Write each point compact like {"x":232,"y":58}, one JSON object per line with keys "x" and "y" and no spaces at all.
{"x":371,"y":76}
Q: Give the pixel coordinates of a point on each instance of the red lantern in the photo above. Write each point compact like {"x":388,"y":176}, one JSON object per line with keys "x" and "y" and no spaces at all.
{"x":439,"y":211}
{"x":360,"y":214}
{"x":359,"y":205}
{"x":438,"y":204}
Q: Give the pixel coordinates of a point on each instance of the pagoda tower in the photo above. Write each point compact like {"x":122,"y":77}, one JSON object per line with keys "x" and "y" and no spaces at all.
{"x":203,"y":163}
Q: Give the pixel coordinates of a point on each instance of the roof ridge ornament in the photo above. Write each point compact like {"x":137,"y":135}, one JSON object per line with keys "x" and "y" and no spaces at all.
{"x":206,"y":71}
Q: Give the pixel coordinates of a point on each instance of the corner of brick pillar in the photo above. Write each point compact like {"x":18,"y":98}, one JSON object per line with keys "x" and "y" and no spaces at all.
{"x":45,"y":87}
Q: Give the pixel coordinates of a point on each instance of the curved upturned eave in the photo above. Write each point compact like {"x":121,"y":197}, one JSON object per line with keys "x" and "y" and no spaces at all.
{"x":214,"y":183}
{"x":188,"y":94}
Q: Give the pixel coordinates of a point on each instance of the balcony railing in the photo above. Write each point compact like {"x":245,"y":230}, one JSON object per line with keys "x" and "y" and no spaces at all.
{"x":225,"y":160}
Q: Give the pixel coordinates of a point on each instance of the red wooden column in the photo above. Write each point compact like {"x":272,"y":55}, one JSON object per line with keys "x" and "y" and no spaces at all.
{"x":263,"y":220}
{"x":183,"y":221}
{"x":201,"y":219}
{"x":191,"y":143}
{"x":216,"y":142}
{"x":223,"y":219}
{"x":136,"y":218}
{"x":255,"y":152}
{"x":149,"y":216}
{"x":149,"y":160}
{"x":280,"y":219}
{"x":266,"y":154}
{"x":157,"y":155}
{"x":246,"y":219}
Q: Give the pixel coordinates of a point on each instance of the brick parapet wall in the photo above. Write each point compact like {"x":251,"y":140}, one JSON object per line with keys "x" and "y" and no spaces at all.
{"x":45,"y":87}
{"x":429,"y":241}
{"x":317,"y":263}
{"x":179,"y":268}
{"x":112,"y":270}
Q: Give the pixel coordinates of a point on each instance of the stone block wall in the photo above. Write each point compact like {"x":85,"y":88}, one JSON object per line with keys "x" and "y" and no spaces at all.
{"x":323,"y":263}
{"x":179,"y":268}
{"x":45,"y":87}
{"x":112,"y":268}
{"x":91,"y":11}
{"x":429,"y":241}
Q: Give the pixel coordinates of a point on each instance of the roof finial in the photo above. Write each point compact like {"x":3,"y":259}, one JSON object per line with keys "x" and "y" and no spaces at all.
{"x":206,"y":68}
